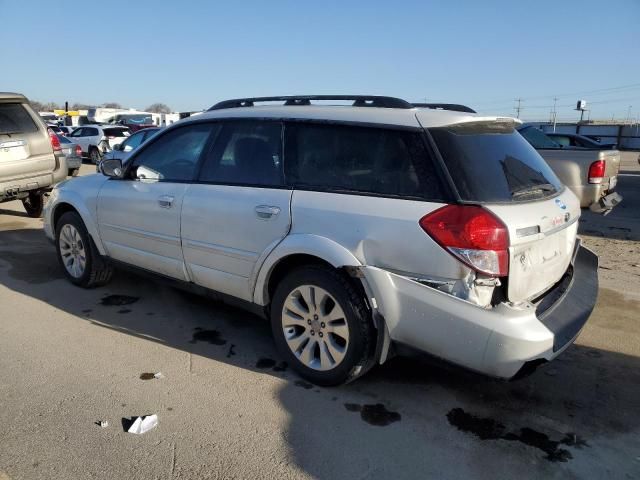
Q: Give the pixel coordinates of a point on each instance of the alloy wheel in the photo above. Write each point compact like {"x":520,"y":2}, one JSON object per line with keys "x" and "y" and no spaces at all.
{"x":315,"y":327}
{"x":72,"y":251}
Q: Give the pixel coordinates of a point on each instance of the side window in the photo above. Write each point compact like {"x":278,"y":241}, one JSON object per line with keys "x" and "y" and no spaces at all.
{"x":564,"y":141}
{"x":174,"y":156}
{"x":89,"y":132}
{"x":246,"y":153}
{"x":78,"y":132}
{"x":359,"y":159}
{"x":132,"y":142}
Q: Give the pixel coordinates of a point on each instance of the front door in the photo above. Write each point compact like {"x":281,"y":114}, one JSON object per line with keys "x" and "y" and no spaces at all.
{"x":139,"y":216}
{"x":238,"y":211}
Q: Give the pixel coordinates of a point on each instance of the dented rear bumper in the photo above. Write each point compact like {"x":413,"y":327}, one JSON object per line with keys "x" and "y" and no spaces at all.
{"x":496,"y":341}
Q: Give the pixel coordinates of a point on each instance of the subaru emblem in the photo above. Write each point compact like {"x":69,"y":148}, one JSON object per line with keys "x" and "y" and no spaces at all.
{"x":561,"y":204}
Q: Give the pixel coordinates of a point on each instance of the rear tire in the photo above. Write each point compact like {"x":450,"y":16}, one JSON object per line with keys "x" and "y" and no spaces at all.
{"x":34,"y":204}
{"x":95,"y":156}
{"x":73,"y":172}
{"x":331,"y":341}
{"x":79,"y":258}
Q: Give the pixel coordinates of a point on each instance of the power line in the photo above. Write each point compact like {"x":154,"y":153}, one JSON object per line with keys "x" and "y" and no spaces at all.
{"x":603,"y":91}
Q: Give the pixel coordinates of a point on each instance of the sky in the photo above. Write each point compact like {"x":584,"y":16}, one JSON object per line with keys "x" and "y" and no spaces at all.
{"x":191,"y":54}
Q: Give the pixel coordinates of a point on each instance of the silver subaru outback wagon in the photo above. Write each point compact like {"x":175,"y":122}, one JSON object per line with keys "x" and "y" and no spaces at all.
{"x":359,"y":230}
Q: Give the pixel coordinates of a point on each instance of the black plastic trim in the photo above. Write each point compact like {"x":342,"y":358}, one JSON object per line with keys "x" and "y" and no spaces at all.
{"x":304,"y":100}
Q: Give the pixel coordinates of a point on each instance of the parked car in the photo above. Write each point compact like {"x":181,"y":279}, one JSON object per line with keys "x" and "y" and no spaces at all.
{"x":591,"y":174}
{"x":96,"y":140}
{"x":66,"y":130}
{"x":30,"y":157}
{"x":73,"y":154}
{"x":574,"y":140}
{"x":134,"y":121}
{"x":387,"y":228}
{"x":123,"y":150}
{"x":49,"y":117}
{"x":54,"y":128}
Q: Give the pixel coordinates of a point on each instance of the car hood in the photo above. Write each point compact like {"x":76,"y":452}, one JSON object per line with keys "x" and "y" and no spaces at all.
{"x":92,"y":182}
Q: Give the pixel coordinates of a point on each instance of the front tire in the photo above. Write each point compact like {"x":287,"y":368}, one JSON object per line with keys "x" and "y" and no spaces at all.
{"x":321,"y":325}
{"x":73,"y":172}
{"x":34,"y":204}
{"x":80,"y":260}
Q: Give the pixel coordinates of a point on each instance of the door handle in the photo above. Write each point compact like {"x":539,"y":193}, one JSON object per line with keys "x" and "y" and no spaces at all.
{"x":267,"y":211}
{"x":165,"y":201}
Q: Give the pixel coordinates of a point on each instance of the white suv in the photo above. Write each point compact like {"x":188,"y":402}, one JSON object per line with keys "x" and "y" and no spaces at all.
{"x":96,"y":140}
{"x":358,"y":230}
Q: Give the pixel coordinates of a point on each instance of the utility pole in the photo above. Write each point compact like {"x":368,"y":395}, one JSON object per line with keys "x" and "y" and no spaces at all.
{"x":555,"y":113}
{"x":628,"y":115}
{"x":518,"y":108}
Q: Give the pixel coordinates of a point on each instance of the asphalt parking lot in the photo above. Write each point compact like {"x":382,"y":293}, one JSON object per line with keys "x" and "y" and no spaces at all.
{"x":229,"y":408}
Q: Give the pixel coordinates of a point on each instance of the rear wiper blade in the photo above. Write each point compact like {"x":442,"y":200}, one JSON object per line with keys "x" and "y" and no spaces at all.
{"x":541,"y":187}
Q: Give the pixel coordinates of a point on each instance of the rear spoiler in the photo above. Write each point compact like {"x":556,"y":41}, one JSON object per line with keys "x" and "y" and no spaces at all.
{"x":454,"y":107}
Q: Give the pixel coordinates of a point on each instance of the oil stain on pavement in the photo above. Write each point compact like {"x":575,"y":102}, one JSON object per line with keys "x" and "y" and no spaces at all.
{"x":208,"y":336}
{"x":147,"y":376}
{"x":118,"y":300}
{"x":374,"y":414}
{"x":490,"y":429}
{"x":265,"y":363}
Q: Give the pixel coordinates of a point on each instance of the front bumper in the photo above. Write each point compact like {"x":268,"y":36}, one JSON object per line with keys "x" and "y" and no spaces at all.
{"x":498,"y":341}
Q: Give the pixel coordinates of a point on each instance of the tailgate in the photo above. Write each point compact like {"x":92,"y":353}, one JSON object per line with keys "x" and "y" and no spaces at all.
{"x":612,"y":160}
{"x":25,"y":147}
{"x":542,"y":238}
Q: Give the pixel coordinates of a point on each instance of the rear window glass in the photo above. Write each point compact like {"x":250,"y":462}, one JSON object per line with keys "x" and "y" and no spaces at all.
{"x":538,"y":139}
{"x":492,"y":162}
{"x":14,"y":118}
{"x":115,"y":132}
{"x":358,"y":159}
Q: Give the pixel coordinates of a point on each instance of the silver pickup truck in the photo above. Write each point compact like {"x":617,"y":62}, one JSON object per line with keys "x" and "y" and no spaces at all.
{"x":31,"y":160}
{"x":590,"y":173}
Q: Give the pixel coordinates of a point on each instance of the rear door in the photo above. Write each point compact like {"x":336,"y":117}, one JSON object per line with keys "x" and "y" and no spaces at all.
{"x":25,"y":147}
{"x":492,"y":165}
{"x":81,"y":137}
{"x":238,"y":211}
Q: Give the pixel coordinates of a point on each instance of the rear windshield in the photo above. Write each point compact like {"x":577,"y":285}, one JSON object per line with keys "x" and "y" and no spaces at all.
{"x":14,"y":118}
{"x":538,"y":139}
{"x":116,"y":132}
{"x":491,"y":162}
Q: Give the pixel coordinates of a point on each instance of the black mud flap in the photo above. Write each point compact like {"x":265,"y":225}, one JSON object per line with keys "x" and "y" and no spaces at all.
{"x":573,"y":299}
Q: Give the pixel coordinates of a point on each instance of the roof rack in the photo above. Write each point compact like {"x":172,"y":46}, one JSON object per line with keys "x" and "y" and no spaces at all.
{"x":454,"y":107}
{"x":358,"y":101}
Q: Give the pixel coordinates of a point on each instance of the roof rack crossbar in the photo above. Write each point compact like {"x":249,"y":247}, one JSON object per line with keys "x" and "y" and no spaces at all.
{"x":358,"y":101}
{"x":454,"y":107}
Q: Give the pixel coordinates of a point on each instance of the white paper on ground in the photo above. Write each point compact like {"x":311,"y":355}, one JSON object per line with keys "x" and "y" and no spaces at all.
{"x":144,"y":424}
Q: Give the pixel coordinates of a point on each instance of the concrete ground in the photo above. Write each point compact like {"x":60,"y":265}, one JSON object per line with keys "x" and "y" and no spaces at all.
{"x":228,"y":408}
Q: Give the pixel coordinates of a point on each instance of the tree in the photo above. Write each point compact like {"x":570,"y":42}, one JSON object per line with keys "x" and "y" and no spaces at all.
{"x":111,"y":105}
{"x":44,"y":107}
{"x":158,"y":108}
{"x":80,"y":106}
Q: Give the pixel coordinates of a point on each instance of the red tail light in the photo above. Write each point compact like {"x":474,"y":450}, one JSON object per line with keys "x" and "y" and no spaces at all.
{"x":78,"y":151}
{"x":473,"y":235}
{"x":55,"y":143}
{"x":596,"y":171}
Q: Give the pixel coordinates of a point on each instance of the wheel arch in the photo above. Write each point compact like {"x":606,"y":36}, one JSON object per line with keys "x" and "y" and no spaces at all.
{"x":68,"y":205}
{"x":296,"y":250}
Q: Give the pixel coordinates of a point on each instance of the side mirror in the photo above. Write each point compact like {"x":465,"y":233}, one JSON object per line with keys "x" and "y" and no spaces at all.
{"x":112,"y":167}
{"x":117,"y":147}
